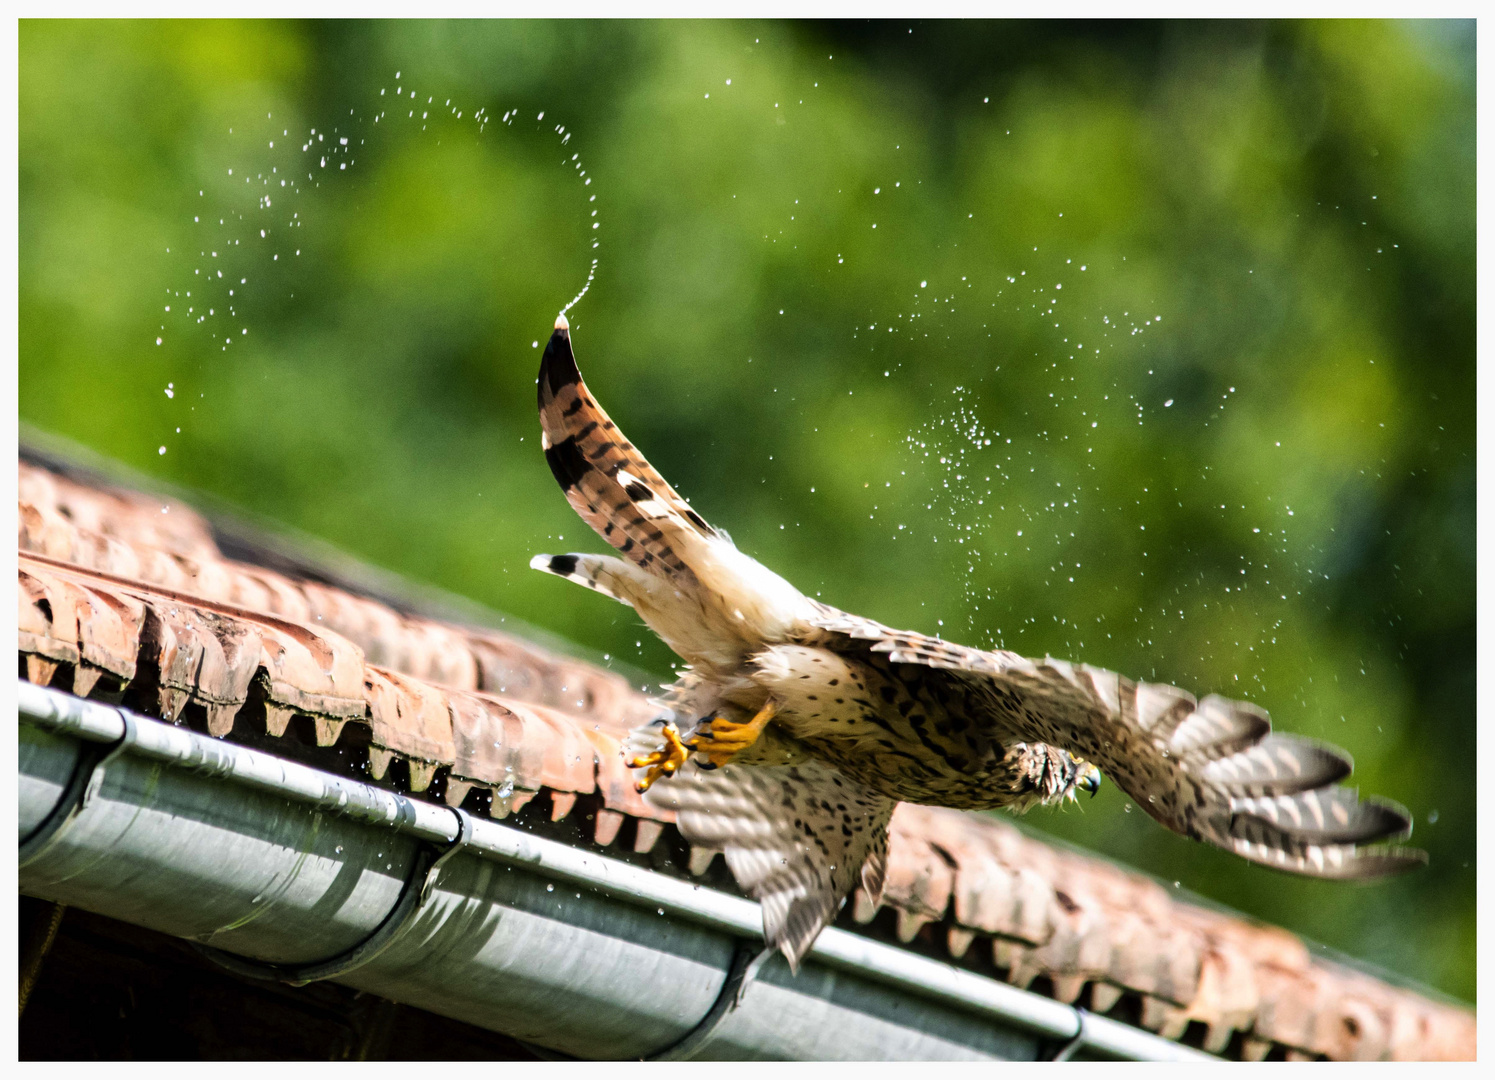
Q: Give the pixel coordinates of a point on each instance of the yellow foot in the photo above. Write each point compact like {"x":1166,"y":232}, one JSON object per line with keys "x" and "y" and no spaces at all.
{"x":661,"y":762}
{"x":724,"y":739}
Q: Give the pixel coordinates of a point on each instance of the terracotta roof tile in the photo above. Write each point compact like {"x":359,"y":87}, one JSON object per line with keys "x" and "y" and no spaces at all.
{"x":118,"y":597}
{"x":409,"y":717}
{"x":64,"y":621}
{"x":491,"y":747}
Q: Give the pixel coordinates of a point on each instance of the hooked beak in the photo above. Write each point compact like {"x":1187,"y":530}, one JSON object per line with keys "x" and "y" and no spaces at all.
{"x":1089,"y":779}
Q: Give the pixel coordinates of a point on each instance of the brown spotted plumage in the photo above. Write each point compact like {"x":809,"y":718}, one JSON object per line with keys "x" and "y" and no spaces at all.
{"x":796,"y":728}
{"x":605,"y":479}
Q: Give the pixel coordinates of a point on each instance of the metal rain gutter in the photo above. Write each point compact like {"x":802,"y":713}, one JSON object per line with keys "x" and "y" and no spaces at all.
{"x":282,"y":870}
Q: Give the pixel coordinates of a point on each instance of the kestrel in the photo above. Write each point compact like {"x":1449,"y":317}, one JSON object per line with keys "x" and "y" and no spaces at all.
{"x":796,"y":728}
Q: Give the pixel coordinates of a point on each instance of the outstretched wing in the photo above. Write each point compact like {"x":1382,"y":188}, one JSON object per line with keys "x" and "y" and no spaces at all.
{"x":708,"y":601}
{"x":798,"y":837}
{"x":605,"y":479}
{"x":1211,"y":769}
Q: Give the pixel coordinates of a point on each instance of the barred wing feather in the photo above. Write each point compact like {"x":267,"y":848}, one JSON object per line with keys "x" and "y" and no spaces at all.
{"x":606,"y":480}
{"x":1211,"y":769}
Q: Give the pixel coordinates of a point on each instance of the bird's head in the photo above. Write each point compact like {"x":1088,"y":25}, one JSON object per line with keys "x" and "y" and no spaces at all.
{"x":1075,"y":775}
{"x":1048,"y":776}
{"x":1087,"y":778}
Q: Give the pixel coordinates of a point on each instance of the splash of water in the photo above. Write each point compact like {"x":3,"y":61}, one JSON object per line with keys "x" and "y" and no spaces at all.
{"x":591,"y":274}
{"x":281,"y":168}
{"x":581,"y":173}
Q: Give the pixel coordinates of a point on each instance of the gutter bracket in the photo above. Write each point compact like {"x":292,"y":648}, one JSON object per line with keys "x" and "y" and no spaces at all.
{"x":1067,"y":1051}
{"x":424,"y":870}
{"x":82,"y":786}
{"x":745,"y":964}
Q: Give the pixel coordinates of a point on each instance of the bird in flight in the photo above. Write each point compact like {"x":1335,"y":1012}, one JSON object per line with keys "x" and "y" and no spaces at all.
{"x":796,"y":728}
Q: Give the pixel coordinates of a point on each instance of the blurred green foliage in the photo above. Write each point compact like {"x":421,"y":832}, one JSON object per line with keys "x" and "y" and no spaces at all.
{"x":1208,"y":289}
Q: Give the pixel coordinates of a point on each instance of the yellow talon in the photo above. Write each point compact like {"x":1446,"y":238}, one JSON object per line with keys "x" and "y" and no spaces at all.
{"x":661,"y":762}
{"x":724,"y":739}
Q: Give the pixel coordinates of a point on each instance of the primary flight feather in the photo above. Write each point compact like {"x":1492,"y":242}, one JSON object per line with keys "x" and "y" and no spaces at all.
{"x":803,"y":726}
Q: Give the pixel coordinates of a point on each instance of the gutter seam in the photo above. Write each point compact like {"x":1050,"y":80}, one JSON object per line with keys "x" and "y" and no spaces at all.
{"x":81,"y":788}
{"x":425,"y":868}
{"x":745,"y":964}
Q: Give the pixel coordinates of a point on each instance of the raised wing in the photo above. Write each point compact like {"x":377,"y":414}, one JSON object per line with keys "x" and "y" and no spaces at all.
{"x":1211,"y":769}
{"x":708,"y":601}
{"x":605,"y":479}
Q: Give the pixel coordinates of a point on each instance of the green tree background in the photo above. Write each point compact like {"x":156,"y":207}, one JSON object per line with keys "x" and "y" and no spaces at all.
{"x":1147,"y":344}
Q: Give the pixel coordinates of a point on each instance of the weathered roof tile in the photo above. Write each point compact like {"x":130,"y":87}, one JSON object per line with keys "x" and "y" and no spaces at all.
{"x":489,"y":744}
{"x":94,"y":629}
{"x":410,"y":717}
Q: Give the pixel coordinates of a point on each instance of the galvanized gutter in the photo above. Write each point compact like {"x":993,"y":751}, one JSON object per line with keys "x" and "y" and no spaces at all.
{"x":325,"y":877}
